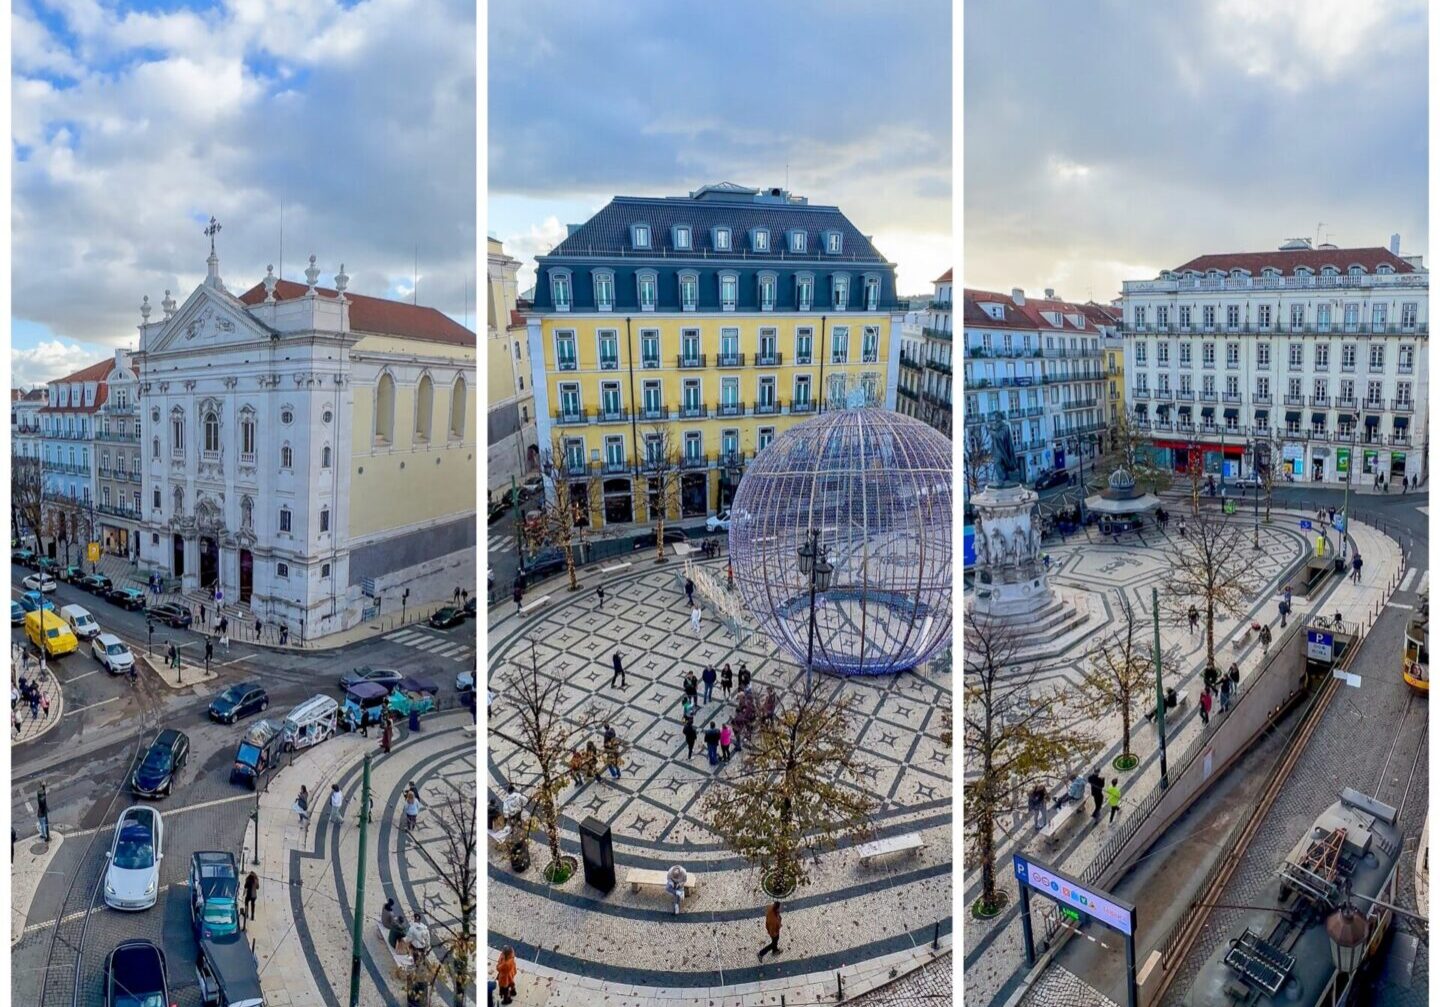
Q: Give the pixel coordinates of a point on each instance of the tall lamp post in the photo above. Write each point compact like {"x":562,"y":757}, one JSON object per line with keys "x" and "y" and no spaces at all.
{"x":815,"y":566}
{"x":1255,"y":475}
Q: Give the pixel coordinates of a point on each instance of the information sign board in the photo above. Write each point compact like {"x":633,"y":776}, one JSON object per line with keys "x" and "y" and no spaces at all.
{"x":1068,"y":892}
{"x":1319,"y":645}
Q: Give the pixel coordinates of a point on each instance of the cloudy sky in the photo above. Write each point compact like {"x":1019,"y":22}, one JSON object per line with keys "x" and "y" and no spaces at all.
{"x":134,"y":122}
{"x":590,"y":100}
{"x":1107,"y":140}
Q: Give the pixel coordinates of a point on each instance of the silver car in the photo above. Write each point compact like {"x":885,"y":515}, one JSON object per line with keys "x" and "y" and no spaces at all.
{"x":112,"y":653}
{"x":132,"y":879}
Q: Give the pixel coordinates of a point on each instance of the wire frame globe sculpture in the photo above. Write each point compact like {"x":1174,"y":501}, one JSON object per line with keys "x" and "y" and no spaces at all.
{"x":872,"y":489}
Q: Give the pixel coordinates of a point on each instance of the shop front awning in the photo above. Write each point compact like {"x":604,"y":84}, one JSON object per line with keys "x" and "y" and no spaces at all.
{"x":1163,"y":409}
{"x":1231,"y":412}
{"x":1317,"y":419}
{"x":1372,"y":421}
{"x":1185,"y":410}
{"x":1401,"y":422}
{"x":1292,"y":416}
{"x":1262,"y":414}
{"x":1207,"y":411}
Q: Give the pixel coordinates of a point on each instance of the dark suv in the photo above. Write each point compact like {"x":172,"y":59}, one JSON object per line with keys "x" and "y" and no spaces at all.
{"x":172,"y":614}
{"x":155,"y":776}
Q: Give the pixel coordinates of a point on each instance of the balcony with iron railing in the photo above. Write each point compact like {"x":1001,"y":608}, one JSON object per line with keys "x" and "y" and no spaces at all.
{"x":808,"y":406}
{"x":940,"y":366}
{"x":694,"y":461}
{"x":567,"y":364}
{"x":1260,"y":400}
{"x":730,"y":360}
{"x":930,"y":332}
{"x":571,"y":417}
{"x":1402,"y":406}
{"x":904,"y":390}
{"x":770,"y":358}
{"x":616,"y":415}
{"x":767,"y":408}
{"x":129,"y":437}
{"x":608,"y":363}
{"x":1231,"y":397}
{"x":660,"y":412}
{"x":1308,"y":329}
{"x":689,"y":361}
{"x":1209,"y":396}
{"x":940,"y":304}
{"x":1294,"y":400}
{"x":615,"y":466}
{"x":694,"y":411}
{"x":910,"y":362}
{"x":730,"y":409}
{"x":1177,"y":285}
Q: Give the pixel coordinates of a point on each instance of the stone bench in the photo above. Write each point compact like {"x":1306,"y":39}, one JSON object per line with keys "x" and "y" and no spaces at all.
{"x":910,"y":842}
{"x":1060,"y":818}
{"x":402,"y":962}
{"x":638,"y":877}
{"x":1181,"y":698}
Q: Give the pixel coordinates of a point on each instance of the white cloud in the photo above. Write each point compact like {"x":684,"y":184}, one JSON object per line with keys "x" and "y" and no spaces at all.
{"x":50,"y":360}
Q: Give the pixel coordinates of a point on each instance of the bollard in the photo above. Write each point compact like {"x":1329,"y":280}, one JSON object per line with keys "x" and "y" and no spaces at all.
{"x":935,"y":943}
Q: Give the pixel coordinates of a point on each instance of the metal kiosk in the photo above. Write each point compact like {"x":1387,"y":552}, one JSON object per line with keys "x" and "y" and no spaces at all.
{"x":1078,"y":901}
{"x":598,"y":854}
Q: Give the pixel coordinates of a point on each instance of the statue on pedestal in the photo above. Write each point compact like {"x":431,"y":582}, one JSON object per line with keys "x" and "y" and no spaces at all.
{"x":1004,"y":465}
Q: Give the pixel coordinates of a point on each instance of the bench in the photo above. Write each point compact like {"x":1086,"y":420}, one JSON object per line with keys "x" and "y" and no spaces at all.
{"x":910,"y":841}
{"x":1181,"y":698}
{"x":1060,"y":818}
{"x":499,"y":836}
{"x":637,"y":877}
{"x":402,"y":962}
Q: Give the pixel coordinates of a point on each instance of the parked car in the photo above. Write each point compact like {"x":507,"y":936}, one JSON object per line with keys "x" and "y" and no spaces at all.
{"x":214,"y":893}
{"x":167,"y":754}
{"x":39,"y":582}
{"x":444,"y":618}
{"x":258,"y":753}
{"x":71,"y":574}
{"x":25,"y":557}
{"x":132,"y":878}
{"x":47,"y":565}
{"x":128,"y":597}
{"x":647,"y":540}
{"x":719,"y":521}
{"x":135,"y":976}
{"x":96,"y":583}
{"x":172,"y":615}
{"x":239,"y":700}
{"x":111,"y":652}
{"x":545,"y":563}
{"x":34,"y":601}
{"x":81,"y":622}
{"x":531,"y":487}
{"x":1055,"y":477}
{"x":17,"y":613}
{"x":388,"y":677}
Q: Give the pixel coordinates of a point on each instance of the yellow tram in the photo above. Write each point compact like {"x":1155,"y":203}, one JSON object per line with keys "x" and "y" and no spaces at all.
{"x":1416,"y":664}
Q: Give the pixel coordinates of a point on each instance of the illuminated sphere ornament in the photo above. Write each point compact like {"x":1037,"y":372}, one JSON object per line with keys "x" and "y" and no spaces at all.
{"x":876,"y":486}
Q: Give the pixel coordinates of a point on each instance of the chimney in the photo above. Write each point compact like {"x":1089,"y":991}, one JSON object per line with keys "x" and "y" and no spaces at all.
{"x":1049,"y":293}
{"x":1018,"y":296}
{"x":1394,"y":244}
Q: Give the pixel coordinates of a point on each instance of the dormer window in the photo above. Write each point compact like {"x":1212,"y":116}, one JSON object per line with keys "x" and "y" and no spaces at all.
{"x":834,"y":242}
{"x":681,"y":237}
{"x":722,"y":239}
{"x":647,"y":285}
{"x":560,"y":289}
{"x":1329,"y":271}
{"x":1304,"y":271}
{"x":729,"y":290}
{"x":689,"y":290}
{"x":1270,"y":273}
{"x":1384,"y":269}
{"x":797,"y":242}
{"x":640,"y":235}
{"x":1357,"y":270}
{"x":760,"y":240}
{"x":604,"y":280}
{"x":767,"y":283}
{"x":840,"y":288}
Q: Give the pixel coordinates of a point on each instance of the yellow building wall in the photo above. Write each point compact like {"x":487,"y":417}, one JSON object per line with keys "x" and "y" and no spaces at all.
{"x":401,"y":485}
{"x":672,"y":377}
{"x":1115,"y":382}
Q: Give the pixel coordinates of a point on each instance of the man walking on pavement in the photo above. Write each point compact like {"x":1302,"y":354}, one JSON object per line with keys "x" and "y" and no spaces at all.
{"x":1097,"y":787}
{"x":708,"y":677}
{"x":695,"y":620}
{"x":772,"y":927}
{"x":690,"y":592}
{"x":209,"y":651}
{"x":252,"y":894}
{"x":42,"y":813}
{"x":337,"y":803}
{"x":1194,"y":619}
{"x":1112,"y":798}
{"x":519,"y":596}
{"x":600,"y":593}
{"x":619,"y":670}
{"x":712,"y":743}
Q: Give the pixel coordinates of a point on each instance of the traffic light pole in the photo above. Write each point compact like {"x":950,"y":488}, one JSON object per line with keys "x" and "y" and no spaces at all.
{"x":1159,"y":689}
{"x":357,"y":923}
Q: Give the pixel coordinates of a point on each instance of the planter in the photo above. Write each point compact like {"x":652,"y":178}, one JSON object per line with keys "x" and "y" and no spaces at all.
{"x":980,"y":911}
{"x":561,"y":871}
{"x":773,"y":884}
{"x":1126,"y":762}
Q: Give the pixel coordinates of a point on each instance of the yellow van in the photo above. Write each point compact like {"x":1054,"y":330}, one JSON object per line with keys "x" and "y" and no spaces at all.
{"x":46,"y":629}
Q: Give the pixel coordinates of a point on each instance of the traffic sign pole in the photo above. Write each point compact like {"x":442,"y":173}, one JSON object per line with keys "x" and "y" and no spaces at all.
{"x":1159,"y":689}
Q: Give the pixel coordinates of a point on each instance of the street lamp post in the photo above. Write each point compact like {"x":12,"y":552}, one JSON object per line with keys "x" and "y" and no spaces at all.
{"x":1255,"y":476}
{"x":815,"y":566}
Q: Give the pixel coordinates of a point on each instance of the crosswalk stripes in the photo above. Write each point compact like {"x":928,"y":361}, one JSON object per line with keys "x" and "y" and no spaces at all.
{"x":436,"y":646}
{"x":504,"y":543}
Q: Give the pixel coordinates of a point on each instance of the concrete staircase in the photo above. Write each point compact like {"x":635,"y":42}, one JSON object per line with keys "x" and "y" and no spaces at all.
{"x":1055,"y":630}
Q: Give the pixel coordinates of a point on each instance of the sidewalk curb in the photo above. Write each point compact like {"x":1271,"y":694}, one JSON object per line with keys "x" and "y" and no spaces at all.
{"x":22,"y":897}
{"x":57,"y":708}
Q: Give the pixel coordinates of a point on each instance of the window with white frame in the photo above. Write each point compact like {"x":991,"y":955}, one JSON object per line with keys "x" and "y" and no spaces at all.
{"x":1377,"y":356}
{"x":282,"y":570}
{"x":1262,"y":388}
{"x":565,"y":351}
{"x":840,"y":288}
{"x":247,"y":435}
{"x":604,"y":280}
{"x":1232,"y":316}
{"x":1232,"y":384}
{"x":767,"y":355}
{"x":1402,"y":394}
{"x":767,"y":291}
{"x":287,"y":457}
{"x":1297,"y":316}
{"x":1207,"y":354}
{"x":1185,"y":316}
{"x":1322,"y":317}
{"x":325,"y":457}
{"x":840,"y":345}
{"x":730,"y":348}
{"x":764,"y":437}
{"x":1232,"y":354}
{"x":797,"y":242}
{"x":1262,"y":316}
{"x":651,"y":400}
{"x":729,"y":290}
{"x":1347,"y":356}
{"x":802,"y":391}
{"x":177,"y":432}
{"x":1378,"y":315}
{"x":1352,"y":317}
{"x":649,"y":348}
{"x":1186,"y":386}
{"x":834,"y":242}
{"x":641,"y":235}
{"x":608,"y":344}
{"x":1162,"y":352}
{"x":1407,"y":357}
{"x":870,"y":344}
{"x":1347,"y":391}
{"x":689,"y":291}
{"x":804,"y":291}
{"x":1207,"y":314}
{"x":610,"y":408}
{"x":804,"y":343}
{"x":1140,"y":352}
{"x":285,"y":519}
{"x":570,"y":410}
{"x":647,"y":287}
{"x":872,"y":294}
{"x":1409,"y":312}
{"x":324,"y":519}
{"x":560,"y":289}
{"x":1297,"y":356}
{"x":761,"y":240}
{"x":690,"y":347}
{"x":1322,"y":392}
{"x":1375,"y":394}
{"x":682,"y":237}
{"x":722,"y":239}
{"x":1162,"y":315}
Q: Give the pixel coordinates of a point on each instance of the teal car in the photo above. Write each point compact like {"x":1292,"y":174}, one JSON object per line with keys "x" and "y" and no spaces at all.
{"x":214,"y":894}
{"x":33,"y":601}
{"x":17,"y":613}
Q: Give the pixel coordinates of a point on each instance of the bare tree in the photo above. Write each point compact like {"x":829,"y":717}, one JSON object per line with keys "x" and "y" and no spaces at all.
{"x":660,"y":468}
{"x":1018,"y":731}
{"x":1195,"y":472}
{"x":798,"y":791}
{"x":1131,"y":450}
{"x":1271,"y":459}
{"x":458,"y":872}
{"x":977,"y":459}
{"x":1210,"y":568}
{"x":565,"y":512}
{"x":1120,"y":672}
{"x":547,"y":736}
{"x":27,"y":494}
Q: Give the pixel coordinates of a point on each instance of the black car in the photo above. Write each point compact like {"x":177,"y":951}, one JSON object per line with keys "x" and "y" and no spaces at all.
{"x":71,"y":574}
{"x":545,"y":563}
{"x":47,"y":565}
{"x":96,"y":583}
{"x":131,"y":598}
{"x":135,"y":976}
{"x":388,"y":677}
{"x":172,"y":614}
{"x":155,"y":776}
{"x":647,"y":540}
{"x":446,"y":617}
{"x":1055,"y":477}
{"x":22,"y":556}
{"x":240,"y":700}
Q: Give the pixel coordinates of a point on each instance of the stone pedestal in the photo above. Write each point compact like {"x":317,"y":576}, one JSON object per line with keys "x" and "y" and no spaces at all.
{"x":1010,"y":581}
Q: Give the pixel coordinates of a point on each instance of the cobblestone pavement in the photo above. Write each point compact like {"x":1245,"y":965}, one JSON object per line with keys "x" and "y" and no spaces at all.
{"x":849,"y":913}
{"x":1060,"y":988}
{"x":33,"y":726}
{"x":994,"y":948}
{"x":930,"y":984}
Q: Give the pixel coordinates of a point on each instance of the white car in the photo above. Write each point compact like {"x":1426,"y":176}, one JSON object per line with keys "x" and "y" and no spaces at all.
{"x":114,"y":655}
{"x":719,"y":521}
{"x":132,"y":879}
{"x":39,"y":582}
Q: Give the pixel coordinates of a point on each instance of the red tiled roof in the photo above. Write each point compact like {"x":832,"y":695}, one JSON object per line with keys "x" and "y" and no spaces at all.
{"x":1101,"y":314}
{"x":95,"y":372}
{"x":1026,"y":316}
{"x":516,"y":318}
{"x":377,"y":315}
{"x":1315,"y":258}
{"x":946,"y":277}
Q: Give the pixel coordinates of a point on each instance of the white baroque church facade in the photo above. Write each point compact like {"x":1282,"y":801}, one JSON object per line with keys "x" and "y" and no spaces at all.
{"x":309,"y":455}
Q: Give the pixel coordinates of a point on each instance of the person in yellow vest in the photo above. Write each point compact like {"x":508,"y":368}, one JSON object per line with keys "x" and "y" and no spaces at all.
{"x":1112,"y":798}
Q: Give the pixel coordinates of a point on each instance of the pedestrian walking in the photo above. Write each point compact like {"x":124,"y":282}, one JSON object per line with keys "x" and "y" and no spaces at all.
{"x":744,"y":677}
{"x":675,"y":880}
{"x":387,"y":732}
{"x":727,"y":738}
{"x":1235,"y":676}
{"x":1194,"y":619}
{"x":455,"y":598}
{"x":619,"y":673}
{"x":577,"y":766}
{"x":337,"y":803}
{"x":417,"y":937}
{"x":1182,"y":527}
{"x":1037,"y":806}
{"x":203,"y":614}
{"x":772,"y":927}
{"x":1284,"y":613}
{"x":691,"y":686}
{"x":252,"y":895}
{"x":712,"y":743}
{"x":149,"y":635}
{"x":1265,"y":639}
{"x":600,"y":593}
{"x":708,"y":676}
{"x":225,"y":635}
{"x":691,"y":735}
{"x":689,"y":592}
{"x":519,"y":595}
{"x":412,"y":807}
{"x":505,"y":974}
{"x":1112,"y":798}
{"x":695,"y":620}
{"x":284,"y":634}
{"x":42,"y":814}
{"x":302,"y":805}
{"x":209,"y":651}
{"x":727,"y":679}
{"x":1097,"y":786}
{"x":1357,"y":564}
{"x":592,"y":760}
{"x":1205,"y":703}
{"x":612,"y":757}
{"x":1225,"y":694}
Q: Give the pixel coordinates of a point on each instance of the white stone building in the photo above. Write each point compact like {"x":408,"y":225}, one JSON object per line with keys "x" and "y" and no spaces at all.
{"x":309,"y":453}
{"x":1323,"y":349}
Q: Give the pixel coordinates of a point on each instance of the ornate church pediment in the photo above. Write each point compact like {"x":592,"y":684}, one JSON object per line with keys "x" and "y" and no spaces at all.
{"x":209,"y":319}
